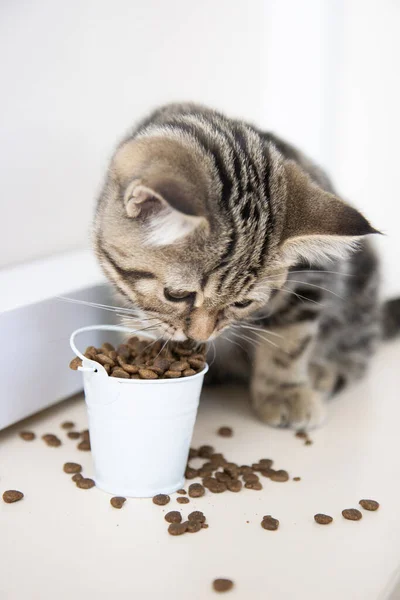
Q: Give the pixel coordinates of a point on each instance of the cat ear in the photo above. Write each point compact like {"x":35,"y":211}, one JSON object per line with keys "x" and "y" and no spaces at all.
{"x":318,"y":225}
{"x":162,"y":210}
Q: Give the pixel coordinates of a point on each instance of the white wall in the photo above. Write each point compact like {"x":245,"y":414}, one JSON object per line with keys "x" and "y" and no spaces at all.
{"x":77,"y":74}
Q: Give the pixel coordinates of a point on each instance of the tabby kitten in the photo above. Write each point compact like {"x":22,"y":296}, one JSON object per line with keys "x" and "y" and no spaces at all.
{"x":212,"y":229}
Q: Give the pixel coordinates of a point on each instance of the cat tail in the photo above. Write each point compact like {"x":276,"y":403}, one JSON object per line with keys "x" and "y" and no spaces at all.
{"x":391,"y":318}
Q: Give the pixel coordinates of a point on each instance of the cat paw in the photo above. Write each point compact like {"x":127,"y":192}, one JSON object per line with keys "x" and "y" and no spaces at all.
{"x":300,"y":408}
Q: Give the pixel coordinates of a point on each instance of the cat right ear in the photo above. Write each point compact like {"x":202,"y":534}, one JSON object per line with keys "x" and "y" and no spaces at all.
{"x":163,"y":224}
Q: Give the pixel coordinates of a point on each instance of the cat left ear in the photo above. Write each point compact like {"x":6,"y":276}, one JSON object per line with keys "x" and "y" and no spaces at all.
{"x":318,"y":225}
{"x":163,"y":223}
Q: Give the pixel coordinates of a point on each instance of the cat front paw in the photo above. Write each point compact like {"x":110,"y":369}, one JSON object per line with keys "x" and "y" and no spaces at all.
{"x":298,"y":408}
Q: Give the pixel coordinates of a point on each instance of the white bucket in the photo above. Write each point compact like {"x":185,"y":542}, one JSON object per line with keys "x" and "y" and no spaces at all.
{"x":140,"y":430}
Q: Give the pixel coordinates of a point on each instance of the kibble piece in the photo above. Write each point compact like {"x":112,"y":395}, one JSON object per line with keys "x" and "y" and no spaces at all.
{"x":280,"y":475}
{"x":196,"y":490}
{"x":352,"y":514}
{"x":67,"y":425}
{"x":308,"y":442}
{"x":234,"y":485}
{"x":183,"y":500}
{"x":250,"y":478}
{"x":108,"y":347}
{"x":162,"y":363}
{"x":190,"y":473}
{"x":296,"y":478}
{"x":322,"y":519}
{"x":51,"y":440}
{"x":27,"y":435}
{"x":222,"y":585}
{"x":85,"y":435}
{"x":369,"y":504}
{"x":179,"y":366}
{"x":269,"y":523}
{"x":181,"y":491}
{"x":225,"y":431}
{"x":188,"y":372}
{"x":120,"y":373}
{"x":147,"y":374}
{"x":232,"y":469}
{"x":71,"y":467}
{"x":253,"y":485}
{"x":224,"y":477}
{"x":193,"y":526}
{"x":216,"y":487}
{"x":124,"y":351}
{"x":11,"y":496}
{"x":206,"y":451}
{"x":204,"y":525}
{"x":174,"y":516}
{"x":77,"y":477}
{"x":172,"y":374}
{"x":117,"y":501}
{"x":85,"y":483}
{"x":84,"y":445}
{"x":104,"y":359}
{"x":196,"y":363}
{"x":197,"y":515}
{"x":161,"y":499}
{"x":131,"y":369}
{"x":177,"y":528}
{"x":75,"y":363}
{"x":301,"y":434}
{"x":73,"y":435}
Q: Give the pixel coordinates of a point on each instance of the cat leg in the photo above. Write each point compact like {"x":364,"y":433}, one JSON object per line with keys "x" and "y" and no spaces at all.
{"x":281,"y":387}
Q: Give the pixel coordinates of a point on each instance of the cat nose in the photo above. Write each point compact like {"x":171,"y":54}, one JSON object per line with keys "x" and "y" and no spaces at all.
{"x":201,"y":325}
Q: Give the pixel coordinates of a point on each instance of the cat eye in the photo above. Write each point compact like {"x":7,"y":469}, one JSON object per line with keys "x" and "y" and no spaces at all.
{"x":177,"y":296}
{"x":242,"y":304}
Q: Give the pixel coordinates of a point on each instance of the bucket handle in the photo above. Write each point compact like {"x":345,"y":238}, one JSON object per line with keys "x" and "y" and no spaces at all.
{"x":120,"y":328}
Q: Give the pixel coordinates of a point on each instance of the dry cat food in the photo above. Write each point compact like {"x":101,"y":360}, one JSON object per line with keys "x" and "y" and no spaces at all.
{"x":117,"y":501}
{"x":77,"y":477}
{"x":352,"y":514}
{"x":138,"y":359}
{"x":225,"y":431}
{"x":177,"y":528}
{"x":74,"y":435}
{"x":369,"y":504}
{"x":183,"y":500}
{"x":85,"y":483}
{"x":222,"y":585}
{"x":196,"y":490}
{"x":181,"y":491}
{"x":161,"y":499}
{"x":197,"y":515}
{"x":71,"y":467}
{"x":11,"y":496}
{"x":68,"y":425}
{"x":269,"y":523}
{"x":28,"y":436}
{"x":322,"y":519}
{"x":84,"y":445}
{"x":51,"y":440}
{"x":174,"y":516}
{"x":296,"y":478}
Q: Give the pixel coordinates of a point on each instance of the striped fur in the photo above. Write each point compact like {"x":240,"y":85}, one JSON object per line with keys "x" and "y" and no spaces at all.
{"x":204,"y":224}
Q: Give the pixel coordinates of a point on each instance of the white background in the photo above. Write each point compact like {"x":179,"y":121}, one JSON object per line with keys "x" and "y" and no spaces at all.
{"x":76,"y":75}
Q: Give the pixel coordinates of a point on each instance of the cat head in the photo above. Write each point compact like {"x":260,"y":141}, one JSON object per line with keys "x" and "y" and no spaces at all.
{"x":196,"y":241}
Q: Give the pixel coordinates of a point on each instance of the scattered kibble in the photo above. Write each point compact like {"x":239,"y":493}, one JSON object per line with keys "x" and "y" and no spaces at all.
{"x":161,"y":499}
{"x":85,"y":483}
{"x":177,"y":528}
{"x":174,"y":516}
{"x":117,"y":501}
{"x":322,"y":519}
{"x":84,"y":445}
{"x":225,"y":431}
{"x":222,"y":585}
{"x":369,"y":504}
{"x":352,"y":514}
{"x":68,"y":425}
{"x":197,"y":515}
{"x":11,"y":496}
{"x":71,"y":467}
{"x":28,"y":436}
{"x":73,"y":435}
{"x":77,"y":477}
{"x":183,"y":500}
{"x":269,"y":523}
{"x":196,"y":490}
{"x":51,"y":440}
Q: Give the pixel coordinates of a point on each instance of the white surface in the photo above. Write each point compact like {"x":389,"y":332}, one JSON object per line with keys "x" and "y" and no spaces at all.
{"x":43,"y":279}
{"x":34,"y":353}
{"x":63,"y":542}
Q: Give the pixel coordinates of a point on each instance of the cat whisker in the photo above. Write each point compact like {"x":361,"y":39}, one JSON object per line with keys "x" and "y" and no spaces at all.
{"x":254,"y":343}
{"x":110,"y":308}
{"x":236,"y":343}
{"x":259,"y":329}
